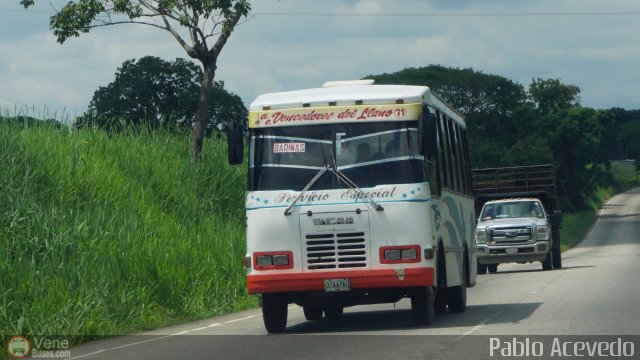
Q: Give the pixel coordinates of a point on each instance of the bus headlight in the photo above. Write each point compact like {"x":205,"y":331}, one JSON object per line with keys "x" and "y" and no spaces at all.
{"x":400,"y":254}
{"x":273,"y":260}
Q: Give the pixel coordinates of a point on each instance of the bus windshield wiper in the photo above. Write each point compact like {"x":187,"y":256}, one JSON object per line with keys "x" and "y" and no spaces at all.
{"x":355,"y":187}
{"x":334,"y":169}
{"x":287,"y":211}
{"x":352,"y":185}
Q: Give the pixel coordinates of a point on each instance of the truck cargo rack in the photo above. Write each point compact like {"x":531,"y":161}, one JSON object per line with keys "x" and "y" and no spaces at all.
{"x":515,"y":182}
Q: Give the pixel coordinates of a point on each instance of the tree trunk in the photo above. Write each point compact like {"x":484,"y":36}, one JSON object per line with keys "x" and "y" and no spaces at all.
{"x":202,"y":114}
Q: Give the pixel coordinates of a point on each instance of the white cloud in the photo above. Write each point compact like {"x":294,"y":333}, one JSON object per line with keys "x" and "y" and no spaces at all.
{"x":285,"y":52}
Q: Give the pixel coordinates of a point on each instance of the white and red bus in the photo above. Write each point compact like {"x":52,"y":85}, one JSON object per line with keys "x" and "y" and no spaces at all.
{"x":357,"y":194}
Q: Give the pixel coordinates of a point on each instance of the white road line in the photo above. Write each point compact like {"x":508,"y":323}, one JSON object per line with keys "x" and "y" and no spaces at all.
{"x":241,"y":319}
{"x":588,"y":237}
{"x":121,"y":347}
{"x":165,"y":336}
{"x":200,"y":328}
{"x":477,"y":327}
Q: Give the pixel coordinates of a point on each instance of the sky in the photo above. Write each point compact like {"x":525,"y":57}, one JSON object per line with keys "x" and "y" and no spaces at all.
{"x":294,"y":44}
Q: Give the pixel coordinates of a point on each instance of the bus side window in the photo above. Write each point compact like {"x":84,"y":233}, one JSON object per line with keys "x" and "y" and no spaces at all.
{"x":442,"y":159}
{"x":433,"y":164}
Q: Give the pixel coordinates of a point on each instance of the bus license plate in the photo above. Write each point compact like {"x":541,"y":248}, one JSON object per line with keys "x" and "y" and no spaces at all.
{"x":334,"y":285}
{"x":512,"y":251}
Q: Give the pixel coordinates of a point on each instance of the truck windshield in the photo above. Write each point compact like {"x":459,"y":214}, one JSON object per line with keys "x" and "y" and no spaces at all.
{"x":370,"y":154}
{"x":512,"y":209}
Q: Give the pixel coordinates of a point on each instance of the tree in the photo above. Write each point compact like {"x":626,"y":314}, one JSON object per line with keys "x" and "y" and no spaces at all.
{"x":471,"y":92}
{"x":631,"y":132}
{"x":574,"y":136}
{"x":487,"y":102}
{"x":208,"y":23}
{"x":156,"y":93}
{"x":552,"y":95}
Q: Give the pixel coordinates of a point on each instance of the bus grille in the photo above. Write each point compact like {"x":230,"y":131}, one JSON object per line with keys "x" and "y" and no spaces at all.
{"x":340,"y":250}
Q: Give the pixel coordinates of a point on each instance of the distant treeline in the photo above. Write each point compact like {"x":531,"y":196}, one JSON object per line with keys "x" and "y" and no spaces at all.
{"x":509,"y":125}
{"x":28,"y":121}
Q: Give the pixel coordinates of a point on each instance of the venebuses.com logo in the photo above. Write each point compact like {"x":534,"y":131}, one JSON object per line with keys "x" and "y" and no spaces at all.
{"x":38,"y":347}
{"x":18,"y":347}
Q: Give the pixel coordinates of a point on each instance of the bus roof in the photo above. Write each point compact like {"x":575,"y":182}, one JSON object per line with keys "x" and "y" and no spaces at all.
{"x":341,"y":95}
{"x":353,"y":94}
{"x":348,"y":95}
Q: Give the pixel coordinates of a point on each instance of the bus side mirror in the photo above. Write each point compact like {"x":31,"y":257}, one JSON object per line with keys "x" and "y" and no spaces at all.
{"x":428,"y":135}
{"x":235,"y":144}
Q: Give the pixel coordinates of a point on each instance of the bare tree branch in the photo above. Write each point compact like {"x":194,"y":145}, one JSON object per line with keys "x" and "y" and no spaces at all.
{"x":227,"y":28}
{"x":189,"y":49}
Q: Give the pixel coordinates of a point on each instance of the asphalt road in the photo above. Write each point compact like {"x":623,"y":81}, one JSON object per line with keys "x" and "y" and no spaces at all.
{"x":597,"y":293}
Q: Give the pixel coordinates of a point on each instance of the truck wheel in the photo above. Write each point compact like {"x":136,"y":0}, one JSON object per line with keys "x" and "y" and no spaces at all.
{"x":333,"y":312}
{"x":547,"y":263}
{"x":312,"y":312}
{"x":493,"y":268}
{"x":557,"y":259}
{"x":422,"y":305}
{"x":274,"y":312}
{"x":482,"y":269}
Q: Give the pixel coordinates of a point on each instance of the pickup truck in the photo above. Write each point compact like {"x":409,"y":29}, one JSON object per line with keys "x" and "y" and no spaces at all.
{"x":515,"y":224}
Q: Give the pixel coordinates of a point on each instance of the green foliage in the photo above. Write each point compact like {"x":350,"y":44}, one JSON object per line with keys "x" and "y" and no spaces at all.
{"x":508,"y":126}
{"x":471,"y":92}
{"x":575,"y":226}
{"x":80,"y":16}
{"x":631,"y":137}
{"x":528,"y":150}
{"x":487,"y":101}
{"x":209,"y":24}
{"x":154,"y":93}
{"x":552,"y":95}
{"x":23,"y":121}
{"x":108,"y":235}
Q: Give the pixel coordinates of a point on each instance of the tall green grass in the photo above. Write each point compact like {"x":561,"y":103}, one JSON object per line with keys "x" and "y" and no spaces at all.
{"x":107,"y":235}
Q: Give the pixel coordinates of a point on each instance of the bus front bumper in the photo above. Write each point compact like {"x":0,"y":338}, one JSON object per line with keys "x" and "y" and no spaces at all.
{"x":362,"y":279}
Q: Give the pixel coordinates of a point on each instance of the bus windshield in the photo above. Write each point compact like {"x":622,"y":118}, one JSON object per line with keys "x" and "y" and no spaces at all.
{"x":369,"y":154}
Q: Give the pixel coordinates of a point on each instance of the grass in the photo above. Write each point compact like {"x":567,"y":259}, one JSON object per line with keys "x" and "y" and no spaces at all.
{"x":109,"y":235}
{"x":575,"y":227}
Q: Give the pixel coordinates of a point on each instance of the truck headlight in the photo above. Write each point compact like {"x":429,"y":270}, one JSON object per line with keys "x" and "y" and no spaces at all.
{"x":481,"y":236}
{"x":542,"y":232}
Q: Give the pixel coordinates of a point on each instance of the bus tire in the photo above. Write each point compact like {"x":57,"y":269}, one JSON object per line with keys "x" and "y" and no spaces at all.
{"x":440,"y":302}
{"x":457,"y":295}
{"x":274,"y":312}
{"x":422,"y":305}
{"x":312,"y":312}
{"x":457,"y":298}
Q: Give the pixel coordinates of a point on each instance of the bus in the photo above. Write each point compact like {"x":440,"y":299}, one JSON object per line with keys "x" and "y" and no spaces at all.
{"x":357,"y":194}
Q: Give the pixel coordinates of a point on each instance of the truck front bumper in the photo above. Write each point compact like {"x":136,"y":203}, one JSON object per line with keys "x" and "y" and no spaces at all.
{"x":496,"y":254}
